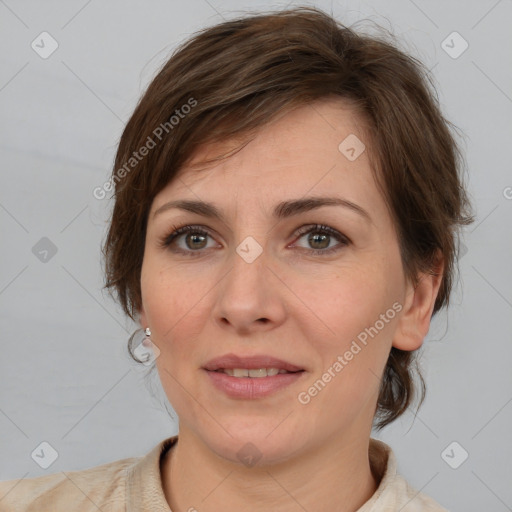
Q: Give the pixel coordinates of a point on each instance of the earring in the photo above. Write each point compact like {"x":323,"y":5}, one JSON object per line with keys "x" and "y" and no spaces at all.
{"x":145,"y":351}
{"x":147,"y":340}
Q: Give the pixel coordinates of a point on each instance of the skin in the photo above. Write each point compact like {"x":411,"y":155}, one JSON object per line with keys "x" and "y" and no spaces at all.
{"x":289,"y":303}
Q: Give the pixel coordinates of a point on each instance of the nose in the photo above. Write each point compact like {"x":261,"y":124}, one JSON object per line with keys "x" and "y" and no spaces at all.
{"x":250,"y":297}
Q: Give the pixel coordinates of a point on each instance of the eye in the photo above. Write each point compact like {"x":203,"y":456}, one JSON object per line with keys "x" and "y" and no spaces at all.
{"x":194,"y":237}
{"x":319,"y":237}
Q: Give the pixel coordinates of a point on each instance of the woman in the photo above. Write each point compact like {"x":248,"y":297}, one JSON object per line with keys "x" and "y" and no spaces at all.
{"x":287,"y":203}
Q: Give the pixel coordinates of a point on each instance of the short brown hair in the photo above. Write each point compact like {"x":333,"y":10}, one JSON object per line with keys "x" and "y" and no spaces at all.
{"x":239,"y":75}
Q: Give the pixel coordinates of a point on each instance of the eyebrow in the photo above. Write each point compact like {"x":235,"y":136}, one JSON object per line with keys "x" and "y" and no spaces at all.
{"x":282,"y":210}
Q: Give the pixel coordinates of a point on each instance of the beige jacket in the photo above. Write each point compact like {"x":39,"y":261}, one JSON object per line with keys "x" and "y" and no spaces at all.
{"x":134,"y":485}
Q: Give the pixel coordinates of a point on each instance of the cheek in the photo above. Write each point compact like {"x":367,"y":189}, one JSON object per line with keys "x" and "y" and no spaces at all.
{"x":346,"y":380}
{"x":359,"y":313}
{"x":175,"y":310}
{"x":347,"y":304}
{"x":166,"y":294}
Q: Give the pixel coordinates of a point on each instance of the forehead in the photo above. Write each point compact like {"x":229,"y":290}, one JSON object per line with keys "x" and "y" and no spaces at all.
{"x":302,"y":150}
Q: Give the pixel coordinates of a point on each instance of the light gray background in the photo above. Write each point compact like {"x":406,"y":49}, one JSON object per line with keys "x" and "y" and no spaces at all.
{"x":65,"y":375}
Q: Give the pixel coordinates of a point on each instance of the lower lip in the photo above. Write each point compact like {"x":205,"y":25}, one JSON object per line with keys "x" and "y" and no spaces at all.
{"x":252,"y":387}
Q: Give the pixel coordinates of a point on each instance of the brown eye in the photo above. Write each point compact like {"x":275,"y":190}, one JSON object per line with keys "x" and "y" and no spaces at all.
{"x":319,"y":241}
{"x":195,"y":239}
{"x":319,"y":238}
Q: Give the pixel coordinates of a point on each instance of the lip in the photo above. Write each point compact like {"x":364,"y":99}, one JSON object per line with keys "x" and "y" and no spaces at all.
{"x":252,"y":387}
{"x":231,"y":361}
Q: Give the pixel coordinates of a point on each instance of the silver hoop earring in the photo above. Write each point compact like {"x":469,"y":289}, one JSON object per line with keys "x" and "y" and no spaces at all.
{"x":144,"y":350}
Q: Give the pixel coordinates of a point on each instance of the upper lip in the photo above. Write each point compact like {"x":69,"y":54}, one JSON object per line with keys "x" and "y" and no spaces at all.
{"x":231,"y":361}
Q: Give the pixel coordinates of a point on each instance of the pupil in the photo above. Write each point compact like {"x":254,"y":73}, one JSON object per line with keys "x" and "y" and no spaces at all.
{"x":315,"y":238}
{"x":195,"y":238}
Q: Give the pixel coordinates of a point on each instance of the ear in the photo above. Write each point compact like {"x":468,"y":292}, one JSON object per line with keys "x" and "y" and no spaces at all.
{"x":414,"y":323}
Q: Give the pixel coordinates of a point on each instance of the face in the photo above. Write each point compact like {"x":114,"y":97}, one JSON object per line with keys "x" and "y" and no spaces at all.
{"x":320,"y":290}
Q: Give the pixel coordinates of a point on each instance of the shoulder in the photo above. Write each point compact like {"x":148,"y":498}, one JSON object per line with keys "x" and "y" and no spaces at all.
{"x":410,"y":500}
{"x":394,"y":492}
{"x":97,"y":488}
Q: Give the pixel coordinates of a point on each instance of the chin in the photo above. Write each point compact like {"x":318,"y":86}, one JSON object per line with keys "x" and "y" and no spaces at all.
{"x":257,"y":443}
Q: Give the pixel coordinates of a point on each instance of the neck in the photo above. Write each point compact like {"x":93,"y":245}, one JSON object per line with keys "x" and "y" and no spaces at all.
{"x":336,"y":476}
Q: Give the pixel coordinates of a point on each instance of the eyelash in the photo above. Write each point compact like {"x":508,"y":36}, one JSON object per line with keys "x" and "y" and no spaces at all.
{"x":166,"y":241}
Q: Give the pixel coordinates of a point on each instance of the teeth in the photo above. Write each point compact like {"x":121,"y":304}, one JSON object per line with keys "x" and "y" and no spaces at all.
{"x":256,"y":373}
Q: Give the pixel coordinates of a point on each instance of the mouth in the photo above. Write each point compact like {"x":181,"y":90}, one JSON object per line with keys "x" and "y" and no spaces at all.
{"x":251,"y":366}
{"x":251,"y":377}
{"x":256,"y":373}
